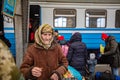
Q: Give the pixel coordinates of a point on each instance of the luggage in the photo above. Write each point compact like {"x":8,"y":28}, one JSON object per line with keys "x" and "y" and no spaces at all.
{"x":72,"y":74}
{"x":97,"y":75}
{"x":106,"y":75}
{"x":117,"y":77}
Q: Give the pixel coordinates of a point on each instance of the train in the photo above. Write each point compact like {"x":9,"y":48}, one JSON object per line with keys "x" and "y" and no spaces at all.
{"x":90,"y":19}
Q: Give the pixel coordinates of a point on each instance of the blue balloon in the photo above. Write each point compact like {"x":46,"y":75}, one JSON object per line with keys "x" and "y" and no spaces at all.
{"x":74,"y":72}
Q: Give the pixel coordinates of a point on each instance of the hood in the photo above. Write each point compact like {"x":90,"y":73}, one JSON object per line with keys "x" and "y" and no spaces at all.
{"x":76,"y":37}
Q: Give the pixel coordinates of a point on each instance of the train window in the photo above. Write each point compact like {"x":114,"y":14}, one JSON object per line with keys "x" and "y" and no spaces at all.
{"x":117,"y":17}
{"x":95,"y":18}
{"x":34,"y":21}
{"x":64,"y":17}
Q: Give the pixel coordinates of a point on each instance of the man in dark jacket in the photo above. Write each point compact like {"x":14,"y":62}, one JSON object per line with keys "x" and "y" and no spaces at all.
{"x":77,"y":53}
{"x":112,"y":51}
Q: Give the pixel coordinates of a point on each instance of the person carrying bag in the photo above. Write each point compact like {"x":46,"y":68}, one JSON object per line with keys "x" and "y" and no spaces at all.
{"x":111,"y":52}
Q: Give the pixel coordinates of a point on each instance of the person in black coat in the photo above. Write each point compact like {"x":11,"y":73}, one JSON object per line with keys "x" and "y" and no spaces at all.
{"x":111,"y":50}
{"x":77,"y":53}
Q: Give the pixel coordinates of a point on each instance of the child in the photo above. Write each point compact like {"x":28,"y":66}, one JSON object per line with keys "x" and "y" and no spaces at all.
{"x":63,"y":44}
{"x":91,"y":65}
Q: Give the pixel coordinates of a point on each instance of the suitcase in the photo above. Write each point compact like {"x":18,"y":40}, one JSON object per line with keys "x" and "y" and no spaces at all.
{"x":97,"y":75}
{"x":117,"y":77}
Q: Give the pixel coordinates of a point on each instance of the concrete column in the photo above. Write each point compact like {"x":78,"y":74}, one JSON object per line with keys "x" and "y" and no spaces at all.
{"x":18,"y":32}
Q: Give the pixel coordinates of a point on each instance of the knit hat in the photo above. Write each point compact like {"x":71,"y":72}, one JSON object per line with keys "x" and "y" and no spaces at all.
{"x":104,"y":36}
{"x":47,"y":29}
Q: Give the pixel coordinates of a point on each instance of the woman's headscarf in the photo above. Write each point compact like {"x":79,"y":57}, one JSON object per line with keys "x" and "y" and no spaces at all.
{"x":45,"y":28}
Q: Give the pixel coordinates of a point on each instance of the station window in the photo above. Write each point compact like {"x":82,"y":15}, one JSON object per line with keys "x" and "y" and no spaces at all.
{"x":95,"y":18}
{"x":64,"y":17}
{"x":117,"y":17}
{"x":34,"y":21}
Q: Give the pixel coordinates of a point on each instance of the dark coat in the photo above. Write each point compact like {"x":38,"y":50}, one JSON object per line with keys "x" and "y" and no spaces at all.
{"x":77,"y":53}
{"x":111,"y":50}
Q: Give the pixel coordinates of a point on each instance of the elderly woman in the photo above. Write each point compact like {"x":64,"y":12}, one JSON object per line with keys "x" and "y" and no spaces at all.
{"x":44,"y":60}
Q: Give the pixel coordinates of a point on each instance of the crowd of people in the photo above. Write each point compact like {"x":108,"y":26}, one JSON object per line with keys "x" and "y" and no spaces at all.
{"x":50,"y":54}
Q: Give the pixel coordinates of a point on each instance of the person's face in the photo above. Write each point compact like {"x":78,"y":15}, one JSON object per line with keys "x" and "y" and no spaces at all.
{"x":55,"y":33}
{"x":46,"y":37}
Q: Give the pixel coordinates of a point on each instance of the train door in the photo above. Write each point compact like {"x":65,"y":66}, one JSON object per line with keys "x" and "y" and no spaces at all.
{"x":34,"y":21}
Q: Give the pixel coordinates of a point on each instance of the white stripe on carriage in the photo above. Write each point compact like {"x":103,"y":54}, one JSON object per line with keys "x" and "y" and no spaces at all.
{"x":9,"y":31}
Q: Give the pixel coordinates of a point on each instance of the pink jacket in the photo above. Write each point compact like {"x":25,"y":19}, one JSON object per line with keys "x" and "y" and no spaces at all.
{"x":65,"y":49}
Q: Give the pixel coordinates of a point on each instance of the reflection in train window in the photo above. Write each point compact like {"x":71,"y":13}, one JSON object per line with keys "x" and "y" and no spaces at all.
{"x":64,"y":17}
{"x":95,"y":18}
{"x":117,"y":17}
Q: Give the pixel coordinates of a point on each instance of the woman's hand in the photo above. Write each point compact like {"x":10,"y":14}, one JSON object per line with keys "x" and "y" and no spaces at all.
{"x":36,"y":71}
{"x":54,"y":76}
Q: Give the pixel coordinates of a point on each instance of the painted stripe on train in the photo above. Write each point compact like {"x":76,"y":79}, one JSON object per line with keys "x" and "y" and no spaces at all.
{"x":91,"y":31}
{"x":88,"y":28}
{"x":9,"y":30}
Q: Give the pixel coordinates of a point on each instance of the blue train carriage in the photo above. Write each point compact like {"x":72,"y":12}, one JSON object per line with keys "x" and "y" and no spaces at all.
{"x":89,"y":19}
{"x":10,"y":34}
{"x":92,"y":37}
